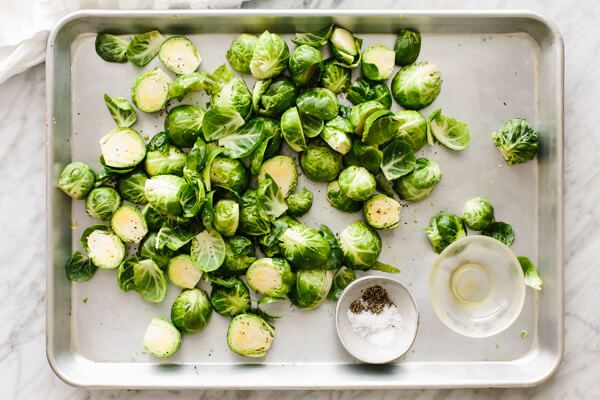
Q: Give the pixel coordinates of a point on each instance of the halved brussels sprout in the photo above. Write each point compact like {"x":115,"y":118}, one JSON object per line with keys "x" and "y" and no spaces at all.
{"x":345,"y":47}
{"x":315,"y":39}
{"x":364,"y":155}
{"x":208,"y":250}
{"x":179,"y":55}
{"x":144,"y":47}
{"x":102,"y":202}
{"x":240,"y":253}
{"x":318,"y":102}
{"x":412,"y":128}
{"x":270,"y":56}
{"x":159,"y":162}
{"x":243,"y":142}
{"x":122,"y":148}
{"x":233,"y":93}
{"x":444,"y":229}
{"x":191,"y":311}
{"x":219,"y":122}
{"x":270,"y":276}
{"x":420,"y":182}
{"x":364,"y":90}
{"x":270,"y":197}
{"x":111,"y":48}
{"x":283,"y":170}
{"x":380,"y":127}
{"x":162,"y":193}
{"x":417,"y":85}
{"x":360,"y":113}
{"x":150,"y":91}
{"x":277,"y":96}
{"x":131,"y":187}
{"x":448,"y":131}
{"x":104,"y":248}
{"x":398,"y":159}
{"x":253,"y":221}
{"x":357,"y":183}
{"x":382,"y":212}
{"x":320,"y":162}
{"x":227,"y":217}
{"x":291,"y":128}
{"x":336,"y":134}
{"x":500,"y":231}
{"x":183,"y":124}
{"x":304,"y":247}
{"x":229,"y":173}
{"x":121,"y":111}
{"x":249,"y":335}
{"x":378,"y":62}
{"x":361,"y":245}
{"x":129,"y":224}
{"x":76,"y":180}
{"x":407,"y":47}
{"x":342,"y":278}
{"x":478,"y":213}
{"x":339,"y":200}
{"x":305,"y":65}
{"x":161,"y":339}
{"x":79,"y":268}
{"x":311,"y":289}
{"x":334,"y":76}
{"x":183,"y":272}
{"x":299,"y":203}
{"x":516,"y":141}
{"x":240,"y":52}
{"x":148,"y":249}
{"x":230,"y":297}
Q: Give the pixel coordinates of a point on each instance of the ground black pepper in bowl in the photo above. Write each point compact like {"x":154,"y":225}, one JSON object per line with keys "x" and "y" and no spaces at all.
{"x":373,"y":299}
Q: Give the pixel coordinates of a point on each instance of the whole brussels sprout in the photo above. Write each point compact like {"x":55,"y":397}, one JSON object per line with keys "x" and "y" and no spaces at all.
{"x":357,"y":183}
{"x":311,"y":289}
{"x":131,"y":187}
{"x":516,"y":141}
{"x":378,"y":62}
{"x":305,"y":65}
{"x":339,"y":200}
{"x":318,"y":102}
{"x":279,"y":96}
{"x":111,"y":48}
{"x":227,"y":217}
{"x":417,"y":85}
{"x":320,"y":162}
{"x":420,"y":182}
{"x":162,"y":194}
{"x":382,"y":212}
{"x":304,"y":247}
{"x":444,"y":229}
{"x":334,"y":76}
{"x":252,"y":219}
{"x":270,"y":276}
{"x":229,"y":173}
{"x":270,"y":56}
{"x":500,"y":231}
{"x":240,"y":52}
{"x":412,"y":128}
{"x":102,"y":202}
{"x":478,"y":213}
{"x":191,"y":311}
{"x":183,"y":124}
{"x":232,"y":299}
{"x":407,"y":47}
{"x":345,"y":47}
{"x":240,"y":253}
{"x":249,"y":335}
{"x":299,"y":203}
{"x":361,"y":245}
{"x":364,"y":90}
{"x":364,"y":155}
{"x":76,"y":180}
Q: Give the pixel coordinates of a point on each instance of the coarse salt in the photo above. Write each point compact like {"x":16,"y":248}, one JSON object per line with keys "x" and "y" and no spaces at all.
{"x":379,"y":329}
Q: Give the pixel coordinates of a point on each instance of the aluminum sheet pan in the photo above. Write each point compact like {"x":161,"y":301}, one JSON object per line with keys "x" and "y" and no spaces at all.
{"x":495,"y":66}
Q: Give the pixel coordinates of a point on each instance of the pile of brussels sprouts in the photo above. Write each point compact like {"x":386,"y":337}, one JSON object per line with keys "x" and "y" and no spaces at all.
{"x":201,"y":212}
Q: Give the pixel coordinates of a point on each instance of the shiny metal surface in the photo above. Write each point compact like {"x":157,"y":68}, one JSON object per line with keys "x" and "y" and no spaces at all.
{"x":495,"y":65}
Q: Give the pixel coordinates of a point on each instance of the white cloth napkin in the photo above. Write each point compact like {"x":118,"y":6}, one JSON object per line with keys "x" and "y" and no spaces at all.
{"x":25,"y":24}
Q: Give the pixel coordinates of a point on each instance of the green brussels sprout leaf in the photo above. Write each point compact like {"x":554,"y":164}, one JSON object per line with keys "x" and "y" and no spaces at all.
{"x":444,"y":229}
{"x":379,"y":266}
{"x":500,"y":231}
{"x":271,"y":198}
{"x":120,"y":110}
{"x":79,"y":268}
{"x":419,"y":183}
{"x":111,"y":48}
{"x":516,"y":141}
{"x":144,"y":47}
{"x":335,"y":77}
{"x":342,"y":278}
{"x":315,"y":39}
{"x":447,"y":130}
{"x":208,"y":250}
{"x":149,"y":281}
{"x":532,"y":276}
{"x":398,"y":159}
{"x":221,"y":121}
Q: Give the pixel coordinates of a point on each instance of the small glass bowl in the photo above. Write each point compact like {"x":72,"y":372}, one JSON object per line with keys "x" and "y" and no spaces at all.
{"x":477,"y":287}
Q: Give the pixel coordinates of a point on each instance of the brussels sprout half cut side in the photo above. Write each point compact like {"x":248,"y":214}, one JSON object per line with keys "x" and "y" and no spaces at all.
{"x":122,"y":148}
{"x":283,"y":171}
{"x":129,"y":224}
{"x":270,"y":276}
{"x":150,"y":91}
{"x":382,"y":212}
{"x":249,"y":335}
{"x":104,"y":248}
{"x":161,"y":339}
{"x":76,"y":180}
{"x":183,"y":272}
{"x":378,"y":62}
{"x":179,"y":55}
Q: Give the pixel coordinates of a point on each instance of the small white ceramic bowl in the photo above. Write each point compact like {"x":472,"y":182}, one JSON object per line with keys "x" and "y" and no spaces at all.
{"x":404,"y":337}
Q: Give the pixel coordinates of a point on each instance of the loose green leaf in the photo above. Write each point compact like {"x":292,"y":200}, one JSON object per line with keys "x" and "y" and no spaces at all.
{"x":398,"y":159}
{"x":379,"y":266}
{"x":144,"y":47}
{"x":121,"y":111}
{"x":79,"y":268}
{"x":532,"y":276}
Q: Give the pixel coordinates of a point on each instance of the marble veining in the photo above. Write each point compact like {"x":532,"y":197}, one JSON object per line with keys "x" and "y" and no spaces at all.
{"x":24,"y":371}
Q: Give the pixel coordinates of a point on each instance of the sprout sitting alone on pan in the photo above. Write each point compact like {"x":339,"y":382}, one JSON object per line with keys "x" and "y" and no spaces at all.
{"x":121,"y":111}
{"x":357,"y":183}
{"x":420,"y":182}
{"x":271,"y":277}
{"x":334,"y":76}
{"x":417,"y":85}
{"x":150,"y":91}
{"x":161,"y":339}
{"x":361,"y":245}
{"x":299,"y":203}
{"x":500,"y":231}
{"x":364,"y":90}
{"x":478,"y":213}
{"x":143,"y":276}
{"x":320,"y":162}
{"x":122,"y":148}
{"x":229,"y":297}
{"x":79,"y":268}
{"x":111,"y":48}
{"x":444,"y":229}
{"x":249,"y":335}
{"x":378,"y":62}
{"x":448,"y":131}
{"x":382,"y":212}
{"x":183,"y":125}
{"x":305,"y":65}
{"x":270,"y":56}
{"x":102,"y":202}
{"x":179,"y":55}
{"x":76,"y":180}
{"x":407,"y":47}
{"x":240,"y":52}
{"x":516,"y":141}
{"x":311,"y":289}
{"x":191,"y":311}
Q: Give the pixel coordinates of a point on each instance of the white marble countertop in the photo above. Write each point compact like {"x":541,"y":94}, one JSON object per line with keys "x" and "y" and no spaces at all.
{"x":24,"y":371}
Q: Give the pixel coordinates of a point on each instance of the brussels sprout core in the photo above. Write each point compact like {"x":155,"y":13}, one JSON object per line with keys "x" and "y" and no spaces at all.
{"x":161,"y":339}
